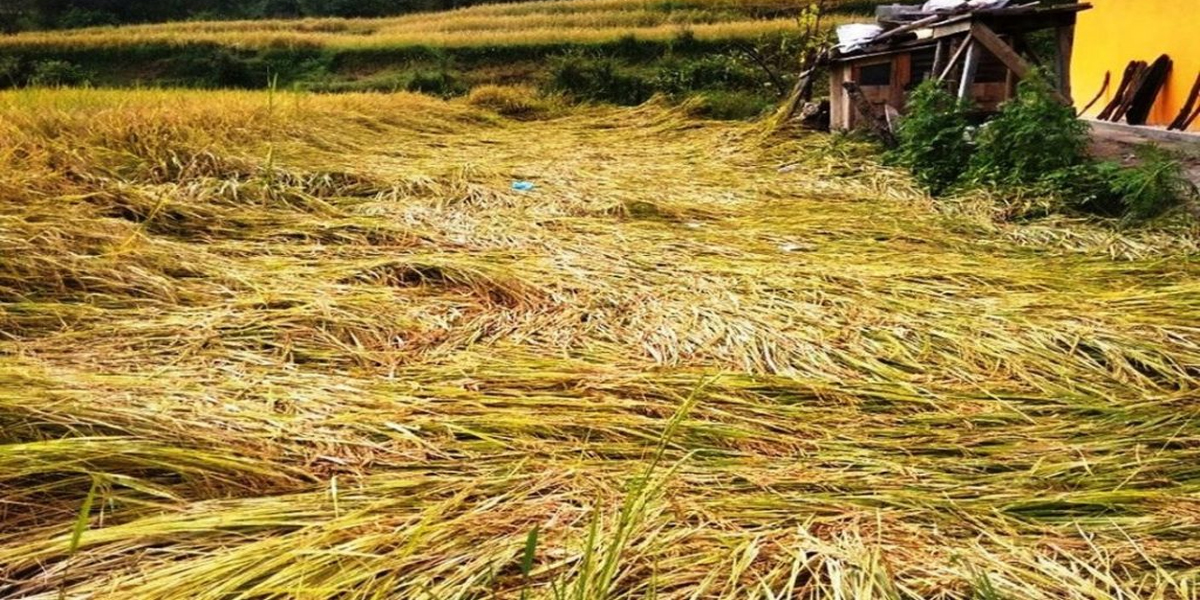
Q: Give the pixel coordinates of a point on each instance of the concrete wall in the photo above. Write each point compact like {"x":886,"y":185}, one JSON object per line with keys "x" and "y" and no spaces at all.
{"x":1118,"y":31}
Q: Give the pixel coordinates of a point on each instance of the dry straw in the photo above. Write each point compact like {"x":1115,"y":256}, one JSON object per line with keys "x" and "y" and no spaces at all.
{"x":286,"y":346}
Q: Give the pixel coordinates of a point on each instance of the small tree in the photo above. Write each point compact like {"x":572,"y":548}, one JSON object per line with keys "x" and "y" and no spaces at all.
{"x":776,"y":55}
{"x":1033,"y":137}
{"x":932,"y":138}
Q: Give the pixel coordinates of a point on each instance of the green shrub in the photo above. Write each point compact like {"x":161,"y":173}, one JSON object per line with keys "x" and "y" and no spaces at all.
{"x":387,"y":82}
{"x":213,"y":67}
{"x":933,"y":138}
{"x":54,"y":73}
{"x":684,"y":41}
{"x":77,"y":17}
{"x":728,"y":106}
{"x":713,"y":72}
{"x":11,"y":73}
{"x":1088,"y":187}
{"x":1147,"y":189}
{"x":517,"y":102}
{"x":598,"y":79}
{"x":437,"y":82}
{"x":1034,"y":149}
{"x":1033,"y":137}
{"x":1155,"y":185}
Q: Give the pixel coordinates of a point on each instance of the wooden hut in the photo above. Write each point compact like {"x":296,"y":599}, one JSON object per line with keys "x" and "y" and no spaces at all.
{"x":981,"y":53}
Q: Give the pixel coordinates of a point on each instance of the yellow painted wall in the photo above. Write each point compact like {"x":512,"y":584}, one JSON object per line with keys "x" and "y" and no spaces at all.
{"x":1118,"y":31}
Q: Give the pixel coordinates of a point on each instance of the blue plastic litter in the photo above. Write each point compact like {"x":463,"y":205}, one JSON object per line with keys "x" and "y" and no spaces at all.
{"x":523,"y":186}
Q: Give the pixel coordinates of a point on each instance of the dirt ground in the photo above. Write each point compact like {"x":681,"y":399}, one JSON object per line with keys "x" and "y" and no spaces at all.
{"x":1118,"y":142}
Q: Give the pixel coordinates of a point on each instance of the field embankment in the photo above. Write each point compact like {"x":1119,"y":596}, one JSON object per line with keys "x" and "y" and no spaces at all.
{"x":266,"y":345}
{"x":630,"y":48}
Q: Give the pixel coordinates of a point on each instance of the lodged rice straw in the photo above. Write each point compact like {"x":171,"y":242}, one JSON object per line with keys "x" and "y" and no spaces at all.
{"x":315,"y":347}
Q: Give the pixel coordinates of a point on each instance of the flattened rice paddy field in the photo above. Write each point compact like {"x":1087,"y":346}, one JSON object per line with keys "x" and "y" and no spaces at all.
{"x":266,"y":345}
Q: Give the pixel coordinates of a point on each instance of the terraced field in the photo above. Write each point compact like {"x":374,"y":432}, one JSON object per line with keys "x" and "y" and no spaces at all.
{"x":519,"y":24}
{"x":262,"y":345}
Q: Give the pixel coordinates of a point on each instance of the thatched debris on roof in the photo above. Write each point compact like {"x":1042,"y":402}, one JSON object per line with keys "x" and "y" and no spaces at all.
{"x":900,"y":24}
{"x":979,"y":48}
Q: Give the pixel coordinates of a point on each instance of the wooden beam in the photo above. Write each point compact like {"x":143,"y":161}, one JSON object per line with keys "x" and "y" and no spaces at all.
{"x":984,"y":35}
{"x":970,"y":68}
{"x":839,"y":102}
{"x":962,"y":48}
{"x":891,"y":33}
{"x":1132,"y":72}
{"x":1066,"y":44}
{"x":1147,"y":94}
{"x":901,"y":77}
{"x":1188,"y":123}
{"x":801,"y":92}
{"x":1127,"y":101}
{"x":938,"y":56}
{"x":1188,"y":106}
{"x":1100,"y":94}
{"x":951,"y":27}
{"x":877,"y":122}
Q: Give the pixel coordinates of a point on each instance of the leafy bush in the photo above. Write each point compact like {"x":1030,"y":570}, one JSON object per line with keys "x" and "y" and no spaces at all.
{"x":1033,"y":137}
{"x":1088,"y":187}
{"x":599,"y":79}
{"x":729,"y":106}
{"x":714,"y":72}
{"x":53,"y":73}
{"x":11,"y":73}
{"x":387,"y":82}
{"x":1034,"y":149}
{"x":1154,"y":186}
{"x":78,"y":17}
{"x":213,"y":68}
{"x":437,"y":82}
{"x":933,"y":138}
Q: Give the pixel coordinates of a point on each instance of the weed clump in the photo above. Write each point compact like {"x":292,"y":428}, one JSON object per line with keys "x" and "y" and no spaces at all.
{"x":716,"y":72}
{"x":1035,"y":147}
{"x":517,"y":102}
{"x":727,"y":106}
{"x":15,"y":73}
{"x":435,"y":82}
{"x":598,"y":79}
{"x":1152,"y":187}
{"x":934,"y":138}
{"x":1033,"y":137}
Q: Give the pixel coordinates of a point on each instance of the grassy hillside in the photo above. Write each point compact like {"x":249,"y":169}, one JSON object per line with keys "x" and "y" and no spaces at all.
{"x":260,"y":345}
{"x":613,"y":50}
{"x":534,"y":23}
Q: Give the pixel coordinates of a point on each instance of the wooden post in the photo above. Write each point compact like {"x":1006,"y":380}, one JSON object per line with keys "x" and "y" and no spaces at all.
{"x":938,"y":56}
{"x":962,"y":47}
{"x":984,"y":35}
{"x":901,"y":77}
{"x":839,"y":106}
{"x":877,"y":122}
{"x":970,"y":68}
{"x":1062,"y":63}
{"x":800,"y":93}
{"x":1024,"y":48}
